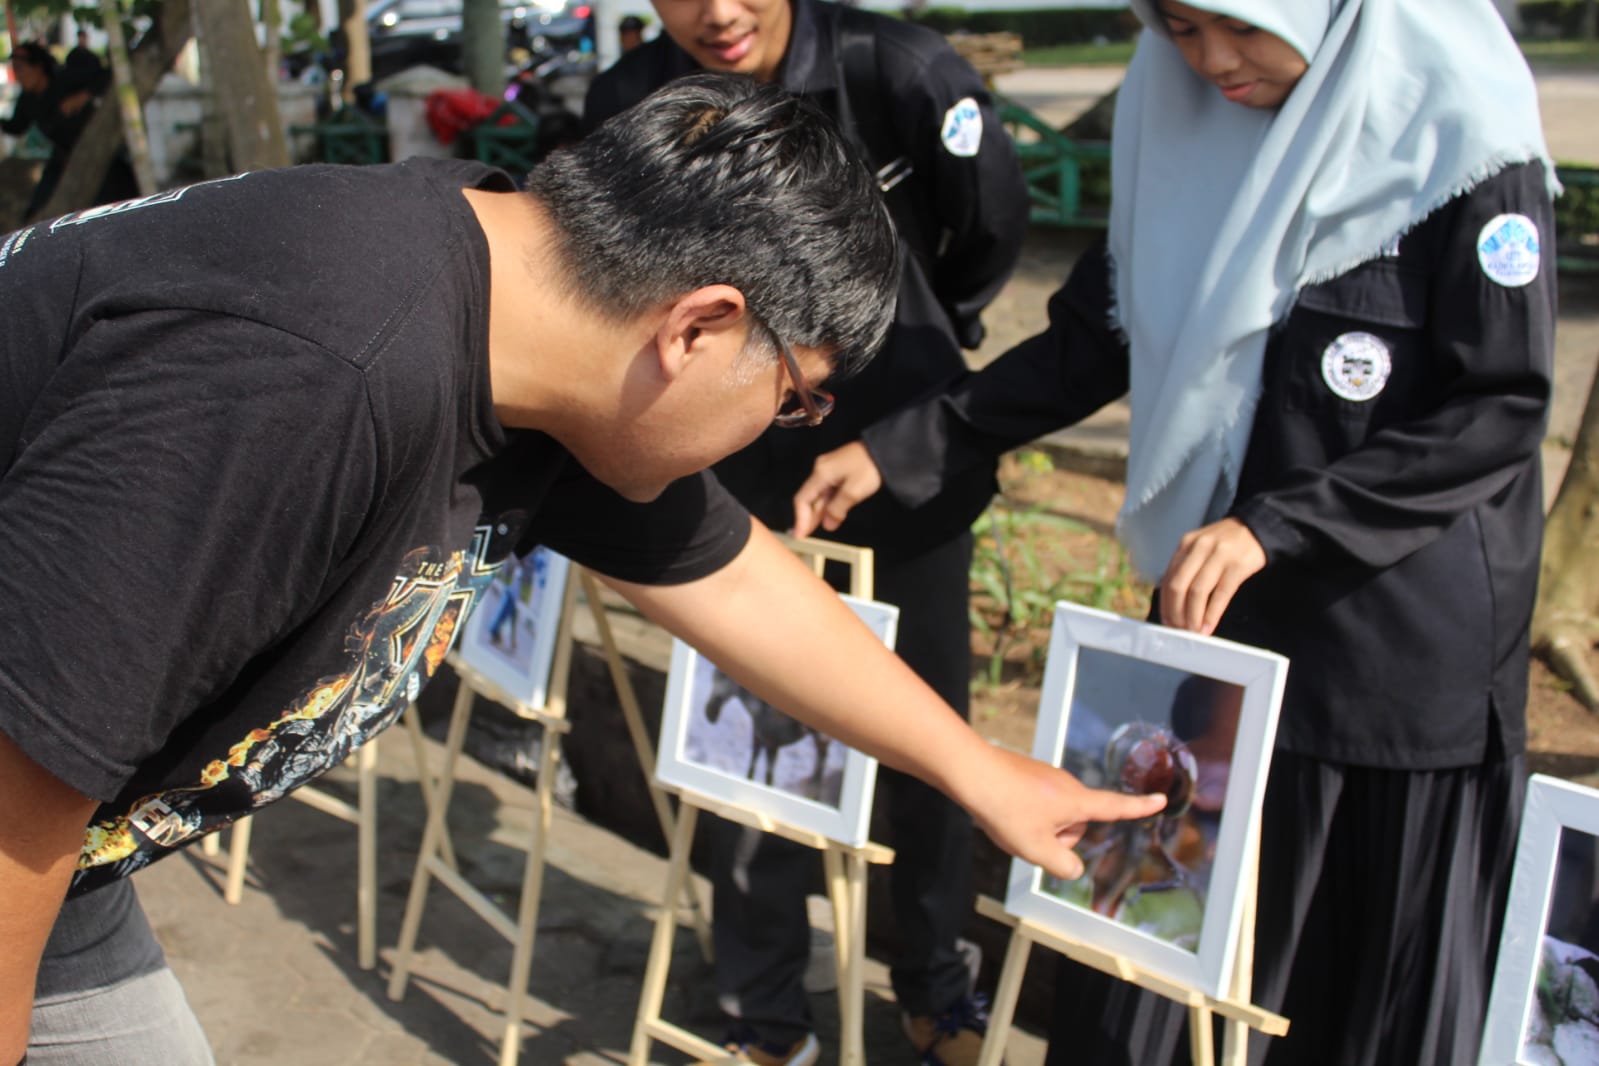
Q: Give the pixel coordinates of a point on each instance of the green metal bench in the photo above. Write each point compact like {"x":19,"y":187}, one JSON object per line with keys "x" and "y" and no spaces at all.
{"x":513,"y":145}
{"x":347,"y":136}
{"x":1577,"y":219}
{"x":1068,"y":181}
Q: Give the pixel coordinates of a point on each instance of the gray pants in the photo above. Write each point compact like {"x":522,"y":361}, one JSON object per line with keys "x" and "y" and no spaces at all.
{"x":105,"y":994}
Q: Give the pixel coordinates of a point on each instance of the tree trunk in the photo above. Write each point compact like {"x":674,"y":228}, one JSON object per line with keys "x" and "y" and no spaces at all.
{"x":357,"y":47}
{"x":85,"y":170}
{"x":272,"y":38}
{"x":127,"y":96}
{"x":1590,"y":20}
{"x":1567,"y":618}
{"x":483,"y":46}
{"x":247,"y":100}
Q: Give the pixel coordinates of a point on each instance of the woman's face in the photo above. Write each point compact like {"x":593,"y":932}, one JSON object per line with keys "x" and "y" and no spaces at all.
{"x":1249,"y":65}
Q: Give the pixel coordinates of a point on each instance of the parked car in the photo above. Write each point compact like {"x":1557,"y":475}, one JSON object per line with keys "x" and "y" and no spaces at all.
{"x":406,"y":33}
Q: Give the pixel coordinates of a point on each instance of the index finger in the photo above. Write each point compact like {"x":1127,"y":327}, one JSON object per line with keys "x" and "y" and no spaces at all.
{"x":1101,"y":806}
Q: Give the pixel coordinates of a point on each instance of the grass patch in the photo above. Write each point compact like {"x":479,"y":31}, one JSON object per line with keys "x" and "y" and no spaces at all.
{"x":1079,"y":55}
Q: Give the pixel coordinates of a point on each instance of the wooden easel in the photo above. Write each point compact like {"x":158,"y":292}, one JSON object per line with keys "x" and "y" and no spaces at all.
{"x":363,"y":814}
{"x":845,"y":868}
{"x":1239,"y":1014}
{"x":434,"y":859}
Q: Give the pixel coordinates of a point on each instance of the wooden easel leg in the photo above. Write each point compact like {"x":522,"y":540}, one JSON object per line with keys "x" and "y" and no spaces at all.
{"x":211,"y":845}
{"x":634,"y":719}
{"x":844,"y":884}
{"x":1235,"y":1034}
{"x":527,"y":920}
{"x":366,"y":855}
{"x":660,"y":960}
{"x":852,"y":1022}
{"x":417,"y":899}
{"x":1005,"y":995}
{"x":238,"y":859}
{"x":1201,"y":1044}
{"x":424,"y":777}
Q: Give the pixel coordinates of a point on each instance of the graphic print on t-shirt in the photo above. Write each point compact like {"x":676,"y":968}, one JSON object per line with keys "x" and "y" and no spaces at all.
{"x":393,"y":649}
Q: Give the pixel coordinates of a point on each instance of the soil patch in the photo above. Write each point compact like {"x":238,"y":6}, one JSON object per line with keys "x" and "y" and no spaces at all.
{"x":1055,"y":533}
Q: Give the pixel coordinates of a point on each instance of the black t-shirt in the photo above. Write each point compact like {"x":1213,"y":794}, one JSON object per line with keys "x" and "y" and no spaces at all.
{"x":253,"y":481}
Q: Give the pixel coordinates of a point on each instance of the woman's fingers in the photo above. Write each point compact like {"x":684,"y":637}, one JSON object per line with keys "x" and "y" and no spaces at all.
{"x":1205,"y":573}
{"x":839,"y":480}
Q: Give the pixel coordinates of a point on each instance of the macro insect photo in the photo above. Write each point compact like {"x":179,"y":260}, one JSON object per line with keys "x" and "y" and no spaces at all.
{"x":1141,"y":727}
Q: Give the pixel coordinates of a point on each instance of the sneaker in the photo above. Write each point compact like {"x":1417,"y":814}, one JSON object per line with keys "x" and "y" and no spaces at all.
{"x":745,"y":1047}
{"x":952,"y":1038}
{"x":821,"y":968}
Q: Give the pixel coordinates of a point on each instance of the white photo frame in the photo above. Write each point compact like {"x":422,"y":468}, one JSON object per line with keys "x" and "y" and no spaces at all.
{"x":716,"y":746}
{"x":510,"y":635}
{"x":1132,"y":701}
{"x":1549,"y":948}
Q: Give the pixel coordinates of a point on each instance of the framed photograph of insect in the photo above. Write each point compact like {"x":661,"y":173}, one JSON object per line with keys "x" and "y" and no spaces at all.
{"x":510,"y":634}
{"x":1544,"y":1007}
{"x":1142,"y":708}
{"x":721,"y":742}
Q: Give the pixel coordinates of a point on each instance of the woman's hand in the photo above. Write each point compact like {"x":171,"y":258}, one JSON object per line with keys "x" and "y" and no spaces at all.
{"x":840,"y":479}
{"x":1209,"y":566}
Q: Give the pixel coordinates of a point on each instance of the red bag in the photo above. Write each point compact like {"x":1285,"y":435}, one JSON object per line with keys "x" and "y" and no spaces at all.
{"x":449,"y":112}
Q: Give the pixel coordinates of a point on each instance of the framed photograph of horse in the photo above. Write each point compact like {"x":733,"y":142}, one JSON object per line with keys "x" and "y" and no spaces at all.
{"x":510,"y":634}
{"x":1544,"y":1006}
{"x":721,"y":742}
{"x":1138,"y":707}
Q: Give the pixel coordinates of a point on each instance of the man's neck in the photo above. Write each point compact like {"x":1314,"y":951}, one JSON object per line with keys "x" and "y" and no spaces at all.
{"x":547,"y":354}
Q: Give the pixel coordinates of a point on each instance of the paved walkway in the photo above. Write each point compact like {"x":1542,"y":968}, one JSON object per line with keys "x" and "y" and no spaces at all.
{"x":274,"y":979}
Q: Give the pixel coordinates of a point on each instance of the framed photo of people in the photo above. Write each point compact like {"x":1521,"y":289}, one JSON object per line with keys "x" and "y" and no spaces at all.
{"x":1138,"y":707}
{"x":1544,"y":1006}
{"x":510,"y":635}
{"x":721,"y":742}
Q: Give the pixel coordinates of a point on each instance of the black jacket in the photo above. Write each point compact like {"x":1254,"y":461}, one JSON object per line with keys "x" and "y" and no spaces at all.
{"x":1402,"y":531}
{"x":963,"y":218}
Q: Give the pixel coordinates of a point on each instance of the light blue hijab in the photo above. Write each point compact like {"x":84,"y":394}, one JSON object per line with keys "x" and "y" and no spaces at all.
{"x":1220,"y":213}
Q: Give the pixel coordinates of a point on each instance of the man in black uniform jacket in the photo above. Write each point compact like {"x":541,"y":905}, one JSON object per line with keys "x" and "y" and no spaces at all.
{"x":924,"y":120}
{"x":262,"y":448}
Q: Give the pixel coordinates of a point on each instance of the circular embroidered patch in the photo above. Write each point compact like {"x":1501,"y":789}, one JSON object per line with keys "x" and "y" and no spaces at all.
{"x":962,"y":133}
{"x":1355,"y":366}
{"x":1507,"y":248}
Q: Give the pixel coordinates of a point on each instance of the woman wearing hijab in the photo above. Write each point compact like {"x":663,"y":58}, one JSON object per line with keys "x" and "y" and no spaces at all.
{"x":1325,"y":287}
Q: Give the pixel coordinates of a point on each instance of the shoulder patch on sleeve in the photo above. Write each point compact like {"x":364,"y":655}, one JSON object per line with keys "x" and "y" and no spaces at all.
{"x":1507,"y":248}
{"x":962,"y":132}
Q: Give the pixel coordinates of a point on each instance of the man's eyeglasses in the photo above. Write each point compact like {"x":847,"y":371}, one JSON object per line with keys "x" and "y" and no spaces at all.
{"x":807,"y":406}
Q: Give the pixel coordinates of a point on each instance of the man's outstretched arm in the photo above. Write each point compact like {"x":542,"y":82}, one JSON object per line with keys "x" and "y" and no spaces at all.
{"x":771,"y":625}
{"x":40,"y":838}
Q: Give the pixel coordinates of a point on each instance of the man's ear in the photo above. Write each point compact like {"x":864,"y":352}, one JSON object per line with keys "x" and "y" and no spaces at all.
{"x":708,"y":320}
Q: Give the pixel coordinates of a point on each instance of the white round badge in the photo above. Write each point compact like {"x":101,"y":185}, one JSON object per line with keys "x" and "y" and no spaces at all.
{"x":1356,"y":366}
{"x":1507,"y":248}
{"x":962,"y":132}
